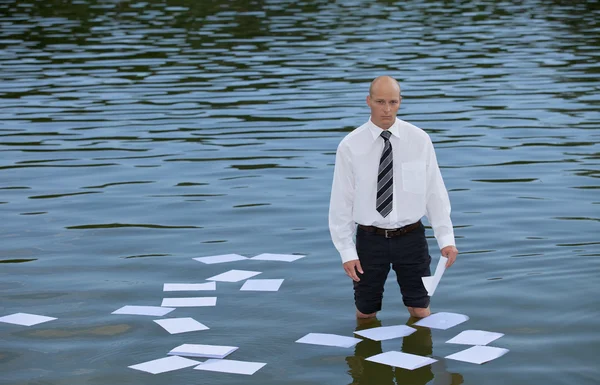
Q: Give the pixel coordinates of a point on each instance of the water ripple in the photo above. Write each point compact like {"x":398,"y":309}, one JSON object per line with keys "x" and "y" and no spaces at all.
{"x":225,"y":117}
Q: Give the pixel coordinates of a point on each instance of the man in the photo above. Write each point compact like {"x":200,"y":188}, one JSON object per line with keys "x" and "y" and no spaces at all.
{"x":386,"y":179}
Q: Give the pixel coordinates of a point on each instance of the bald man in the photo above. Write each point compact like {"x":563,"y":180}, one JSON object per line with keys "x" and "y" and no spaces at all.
{"x":386,"y":179}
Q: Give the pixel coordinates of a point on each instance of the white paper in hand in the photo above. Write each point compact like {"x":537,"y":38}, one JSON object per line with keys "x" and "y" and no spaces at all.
{"x":475,"y":337}
{"x":386,"y":332}
{"x":431,"y":283}
{"x":401,"y":360}
{"x":478,"y":354}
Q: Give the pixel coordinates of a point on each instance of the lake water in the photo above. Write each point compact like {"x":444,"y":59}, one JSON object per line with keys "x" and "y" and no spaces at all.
{"x":135,"y":136}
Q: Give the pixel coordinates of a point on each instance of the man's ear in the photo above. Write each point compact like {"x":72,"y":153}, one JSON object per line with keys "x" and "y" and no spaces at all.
{"x":369,"y":100}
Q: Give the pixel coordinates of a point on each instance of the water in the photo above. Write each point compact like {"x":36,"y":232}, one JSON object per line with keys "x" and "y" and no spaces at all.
{"x":135,"y":136}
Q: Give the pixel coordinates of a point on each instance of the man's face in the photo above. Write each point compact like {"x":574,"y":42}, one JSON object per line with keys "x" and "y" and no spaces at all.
{"x":384,"y":103}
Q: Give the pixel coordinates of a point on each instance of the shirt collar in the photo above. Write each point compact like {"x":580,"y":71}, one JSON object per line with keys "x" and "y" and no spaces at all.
{"x":376,"y":130}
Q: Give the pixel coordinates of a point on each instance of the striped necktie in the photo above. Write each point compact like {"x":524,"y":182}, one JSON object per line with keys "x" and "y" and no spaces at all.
{"x":385,"y":180}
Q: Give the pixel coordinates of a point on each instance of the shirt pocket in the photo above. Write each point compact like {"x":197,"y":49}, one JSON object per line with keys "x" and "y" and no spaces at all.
{"x":413,"y":177}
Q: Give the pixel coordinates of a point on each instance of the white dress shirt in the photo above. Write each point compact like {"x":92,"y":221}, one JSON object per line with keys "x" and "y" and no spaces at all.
{"x":419,"y":189}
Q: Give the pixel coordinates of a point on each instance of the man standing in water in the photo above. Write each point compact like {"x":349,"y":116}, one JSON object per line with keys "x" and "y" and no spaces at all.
{"x":386,"y":179}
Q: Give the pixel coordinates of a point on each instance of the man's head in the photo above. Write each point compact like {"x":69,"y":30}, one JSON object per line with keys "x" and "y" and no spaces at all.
{"x":384,"y":100}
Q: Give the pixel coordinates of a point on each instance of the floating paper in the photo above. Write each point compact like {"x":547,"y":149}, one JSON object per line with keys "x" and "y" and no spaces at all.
{"x":180,"y":325}
{"x":475,"y":337}
{"x":277,"y":257}
{"x":190,"y":286}
{"x":189,"y":301}
{"x":329,"y":340}
{"x":231,"y":366}
{"x":165,"y":364}
{"x":442,"y":320}
{"x":478,"y":354}
{"x":386,"y":332}
{"x":234,"y":276}
{"x":220,"y":258}
{"x":401,"y":360}
{"x":262,"y":285}
{"x":196,"y":350}
{"x":25,"y":319}
{"x":431,"y":283}
{"x":156,"y":311}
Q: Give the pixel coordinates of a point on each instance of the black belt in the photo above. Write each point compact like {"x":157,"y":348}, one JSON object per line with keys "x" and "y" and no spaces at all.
{"x":390,"y":233}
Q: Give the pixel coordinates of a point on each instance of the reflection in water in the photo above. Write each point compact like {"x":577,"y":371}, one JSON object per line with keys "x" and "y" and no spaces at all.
{"x":105,"y":330}
{"x":62,"y":195}
{"x":365,"y":372}
{"x":118,"y":184}
{"x":117,"y":225}
{"x":147,"y":255}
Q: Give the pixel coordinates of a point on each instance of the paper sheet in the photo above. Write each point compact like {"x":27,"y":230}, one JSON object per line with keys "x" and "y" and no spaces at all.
{"x":401,"y":360}
{"x":442,"y":320}
{"x":277,"y":257}
{"x":155,"y":311}
{"x":231,"y":366}
{"x":386,"y":332}
{"x":329,"y":340}
{"x":190,"y":286}
{"x":197,"y":350}
{"x":262,"y":285}
{"x":189,"y":301}
{"x":25,"y":319}
{"x":431,"y":283}
{"x":234,"y":276}
{"x":166,"y":364}
{"x":220,"y":258}
{"x":180,"y":325}
{"x":478,"y":354}
{"x":475,"y":337}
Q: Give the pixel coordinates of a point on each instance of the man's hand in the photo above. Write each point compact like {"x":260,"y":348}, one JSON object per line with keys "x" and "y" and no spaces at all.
{"x":450,"y":252}
{"x":351,"y":267}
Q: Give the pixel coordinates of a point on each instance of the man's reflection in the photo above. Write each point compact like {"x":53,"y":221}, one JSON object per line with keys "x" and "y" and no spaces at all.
{"x":370,"y":373}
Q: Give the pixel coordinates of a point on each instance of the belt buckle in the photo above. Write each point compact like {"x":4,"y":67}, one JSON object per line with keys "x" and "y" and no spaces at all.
{"x":386,"y":233}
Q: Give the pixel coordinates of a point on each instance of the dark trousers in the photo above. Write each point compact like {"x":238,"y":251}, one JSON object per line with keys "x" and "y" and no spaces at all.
{"x":407,"y":254}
